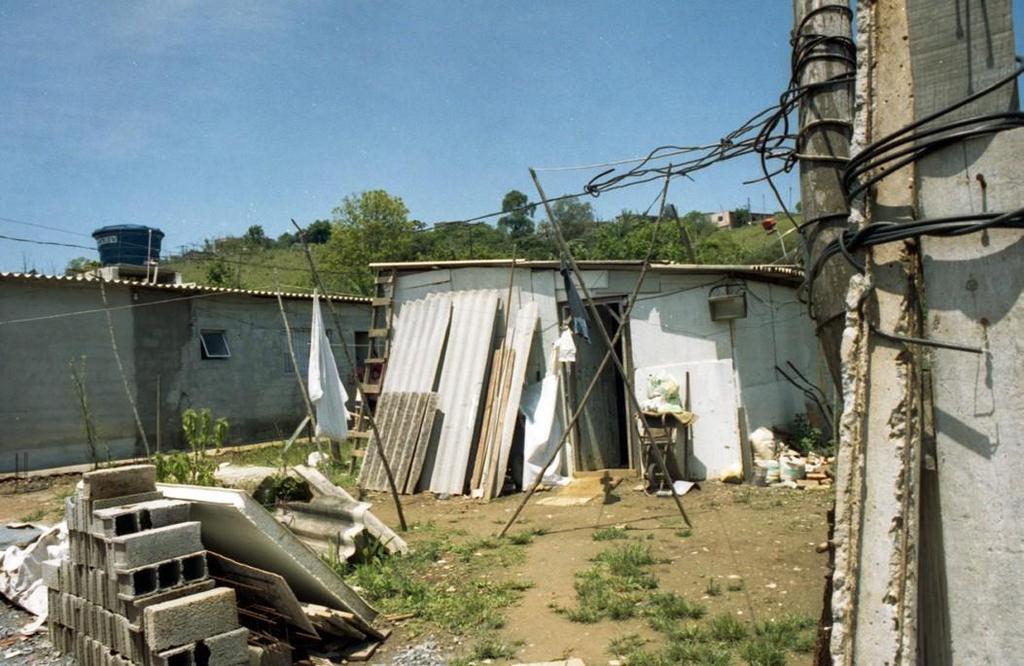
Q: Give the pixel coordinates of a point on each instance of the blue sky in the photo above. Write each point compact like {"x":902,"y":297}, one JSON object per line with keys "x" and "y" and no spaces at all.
{"x":205,"y":118}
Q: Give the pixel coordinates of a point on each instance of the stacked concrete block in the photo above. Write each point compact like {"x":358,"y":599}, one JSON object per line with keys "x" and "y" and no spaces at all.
{"x":134,"y":588}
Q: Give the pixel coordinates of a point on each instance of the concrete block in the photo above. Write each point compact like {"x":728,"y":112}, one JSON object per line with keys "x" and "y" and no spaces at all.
{"x":154,"y":546}
{"x":123,"y":520}
{"x":227,"y":649}
{"x":118,"y":482}
{"x":51,"y":574}
{"x":160,"y":577}
{"x":133,"y":609}
{"x":189,"y":619}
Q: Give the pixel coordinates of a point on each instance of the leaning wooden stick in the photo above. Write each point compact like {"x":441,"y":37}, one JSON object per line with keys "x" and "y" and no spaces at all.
{"x":295,"y":363}
{"x":600,"y":369}
{"x":599,"y":326}
{"x":367,"y":411}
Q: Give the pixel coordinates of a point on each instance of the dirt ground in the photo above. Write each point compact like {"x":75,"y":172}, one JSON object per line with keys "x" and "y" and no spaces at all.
{"x":764,"y":537}
{"x":758,"y":544}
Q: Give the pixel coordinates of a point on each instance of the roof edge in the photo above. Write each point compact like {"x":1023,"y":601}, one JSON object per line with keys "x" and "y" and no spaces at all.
{"x":190,"y":287}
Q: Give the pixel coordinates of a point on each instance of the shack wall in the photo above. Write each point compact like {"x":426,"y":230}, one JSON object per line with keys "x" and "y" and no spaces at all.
{"x":732,"y":364}
{"x":39,"y":407}
{"x":159,"y":346}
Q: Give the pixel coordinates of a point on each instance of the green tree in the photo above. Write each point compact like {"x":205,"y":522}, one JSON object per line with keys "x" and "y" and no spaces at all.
{"x":368,"y":227}
{"x":80,"y":265}
{"x":318,"y":232}
{"x":575,"y":218}
{"x":218,"y":272}
{"x":256,"y":237}
{"x":518,"y":222}
{"x":285,"y":240}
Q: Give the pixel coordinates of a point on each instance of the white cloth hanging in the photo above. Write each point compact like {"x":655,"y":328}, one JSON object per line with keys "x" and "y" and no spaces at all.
{"x":326,"y":391}
{"x":540,"y":437}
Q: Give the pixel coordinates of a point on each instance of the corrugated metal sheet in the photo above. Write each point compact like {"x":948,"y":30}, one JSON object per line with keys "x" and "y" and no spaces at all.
{"x":470,"y":341}
{"x":191,"y":288}
{"x":328,"y":525}
{"x":418,"y":334}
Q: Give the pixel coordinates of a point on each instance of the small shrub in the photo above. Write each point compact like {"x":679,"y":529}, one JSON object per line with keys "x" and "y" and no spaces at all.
{"x":727,"y":629}
{"x":713,"y":588}
{"x":610,"y":534}
{"x":623,"y":645}
{"x":664,"y":607}
{"x":763,"y":653}
{"x":698,"y":653}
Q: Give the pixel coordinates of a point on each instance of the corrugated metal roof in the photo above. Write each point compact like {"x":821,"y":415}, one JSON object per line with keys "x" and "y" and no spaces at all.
{"x":460,"y":389}
{"x":752,"y":270}
{"x":179,"y":288}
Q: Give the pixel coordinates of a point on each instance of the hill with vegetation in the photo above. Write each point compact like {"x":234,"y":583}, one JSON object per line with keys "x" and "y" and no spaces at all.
{"x":375,"y":226}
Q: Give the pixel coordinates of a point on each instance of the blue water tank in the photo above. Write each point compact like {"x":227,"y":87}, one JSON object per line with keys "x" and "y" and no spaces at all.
{"x":128,"y":244}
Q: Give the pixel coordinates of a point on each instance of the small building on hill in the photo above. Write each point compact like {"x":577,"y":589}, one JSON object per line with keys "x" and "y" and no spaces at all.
{"x":181,"y":346}
{"x":722,"y":332}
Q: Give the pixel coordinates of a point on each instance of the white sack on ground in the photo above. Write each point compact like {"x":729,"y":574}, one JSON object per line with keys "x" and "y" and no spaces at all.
{"x":540,"y":437}
{"x":325,"y":388}
{"x":21,"y":572}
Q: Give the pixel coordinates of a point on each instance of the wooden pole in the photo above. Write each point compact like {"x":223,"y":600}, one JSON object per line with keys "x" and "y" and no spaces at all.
{"x":609,"y":355}
{"x":295,"y":363}
{"x":120,"y":369}
{"x":368,"y":411}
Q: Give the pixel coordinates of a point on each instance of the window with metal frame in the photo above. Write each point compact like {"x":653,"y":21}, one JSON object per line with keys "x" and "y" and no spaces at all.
{"x":214,"y":344}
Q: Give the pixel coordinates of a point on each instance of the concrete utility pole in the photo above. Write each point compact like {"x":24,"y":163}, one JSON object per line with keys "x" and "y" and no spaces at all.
{"x":927,"y":534}
{"x":824,"y":59}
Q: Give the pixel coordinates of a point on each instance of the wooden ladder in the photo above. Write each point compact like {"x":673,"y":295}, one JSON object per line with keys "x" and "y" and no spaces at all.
{"x":379,"y":338}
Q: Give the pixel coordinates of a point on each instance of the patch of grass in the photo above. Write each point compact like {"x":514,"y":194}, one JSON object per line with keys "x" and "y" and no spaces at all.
{"x":526,"y":536}
{"x":713,"y":588}
{"x":742,"y":496}
{"x":486,"y":649}
{"x":626,"y":644}
{"x":35,"y":516}
{"x":698,"y":653}
{"x":763,"y":653}
{"x":626,"y":560}
{"x":684,"y":533}
{"x":444,"y":583}
{"x":615,"y":587}
{"x":663,"y":610}
{"x":789,"y":632}
{"x":610,"y":534}
{"x":727,"y":629}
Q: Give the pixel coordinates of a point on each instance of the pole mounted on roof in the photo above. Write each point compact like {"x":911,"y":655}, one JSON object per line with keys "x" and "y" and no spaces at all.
{"x":367,"y":410}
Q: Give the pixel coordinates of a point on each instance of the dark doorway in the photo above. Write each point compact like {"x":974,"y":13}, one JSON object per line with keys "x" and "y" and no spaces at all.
{"x":601,"y":433}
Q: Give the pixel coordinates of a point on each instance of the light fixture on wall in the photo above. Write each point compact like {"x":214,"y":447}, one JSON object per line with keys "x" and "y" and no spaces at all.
{"x":728,"y":301}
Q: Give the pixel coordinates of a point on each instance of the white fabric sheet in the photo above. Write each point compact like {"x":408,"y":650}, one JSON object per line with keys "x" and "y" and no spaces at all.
{"x":326,"y":391}
{"x":540,"y":437}
{"x":566,"y":347}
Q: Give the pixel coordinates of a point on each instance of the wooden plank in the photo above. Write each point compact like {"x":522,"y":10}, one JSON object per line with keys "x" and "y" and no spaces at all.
{"x":481,"y":446}
{"x":500,"y":415}
{"x":381,"y":301}
{"x":522,"y":341}
{"x":378,"y":332}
